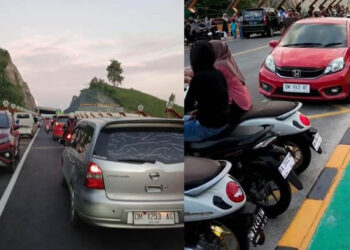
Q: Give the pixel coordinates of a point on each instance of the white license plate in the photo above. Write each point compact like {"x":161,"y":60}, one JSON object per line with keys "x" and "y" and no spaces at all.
{"x":258,"y":227}
{"x":154,"y":218}
{"x":316,"y":143}
{"x":296,"y":88}
{"x":287,"y":165}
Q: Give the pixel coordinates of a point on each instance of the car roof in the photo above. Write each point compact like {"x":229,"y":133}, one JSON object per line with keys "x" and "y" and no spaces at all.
{"x":323,"y":20}
{"x":102,"y":122}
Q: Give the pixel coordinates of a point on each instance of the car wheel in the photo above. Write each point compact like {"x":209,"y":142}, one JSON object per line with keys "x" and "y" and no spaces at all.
{"x":74,"y":217}
{"x":12,"y":167}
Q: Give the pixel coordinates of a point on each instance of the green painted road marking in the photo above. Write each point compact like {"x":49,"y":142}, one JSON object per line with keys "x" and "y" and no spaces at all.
{"x":333,"y":230}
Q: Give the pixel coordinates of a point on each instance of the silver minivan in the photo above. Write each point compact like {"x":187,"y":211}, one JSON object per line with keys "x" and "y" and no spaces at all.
{"x":126,"y":172}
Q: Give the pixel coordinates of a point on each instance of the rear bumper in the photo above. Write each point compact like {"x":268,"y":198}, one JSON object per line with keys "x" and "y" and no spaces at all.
{"x":58,"y":133}
{"x":25,"y":131}
{"x":254,"y":29}
{"x":95,"y":208}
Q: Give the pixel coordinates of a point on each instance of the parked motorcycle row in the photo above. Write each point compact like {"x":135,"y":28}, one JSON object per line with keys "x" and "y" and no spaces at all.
{"x":237,"y":180}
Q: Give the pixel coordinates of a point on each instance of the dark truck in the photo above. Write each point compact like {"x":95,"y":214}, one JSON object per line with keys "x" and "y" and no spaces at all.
{"x":260,"y":21}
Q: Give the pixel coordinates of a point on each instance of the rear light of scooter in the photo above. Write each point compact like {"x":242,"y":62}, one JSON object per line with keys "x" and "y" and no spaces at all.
{"x":304,"y":120}
{"x":68,"y":136}
{"x":94,"y":179}
{"x":234,"y":192}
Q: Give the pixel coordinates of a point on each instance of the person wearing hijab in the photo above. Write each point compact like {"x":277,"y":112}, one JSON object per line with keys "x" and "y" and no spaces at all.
{"x":207,"y":97}
{"x":239,"y":97}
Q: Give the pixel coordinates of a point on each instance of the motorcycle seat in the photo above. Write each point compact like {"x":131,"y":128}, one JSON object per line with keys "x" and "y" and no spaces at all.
{"x":239,"y":134}
{"x":199,"y":171}
{"x":268,"y":109}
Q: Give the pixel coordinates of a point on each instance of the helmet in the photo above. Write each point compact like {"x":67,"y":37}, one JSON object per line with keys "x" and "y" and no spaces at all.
{"x":71,"y":115}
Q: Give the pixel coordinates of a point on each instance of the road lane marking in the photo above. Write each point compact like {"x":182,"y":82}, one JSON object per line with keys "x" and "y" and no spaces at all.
{"x":14,"y":177}
{"x":342,"y":110}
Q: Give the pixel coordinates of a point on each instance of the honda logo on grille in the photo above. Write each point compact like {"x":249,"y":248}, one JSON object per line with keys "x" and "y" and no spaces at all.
{"x":296,"y":73}
{"x":154,"y":176}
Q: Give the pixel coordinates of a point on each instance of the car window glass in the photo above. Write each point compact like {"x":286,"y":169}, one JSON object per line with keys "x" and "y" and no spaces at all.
{"x":316,"y":35}
{"x":73,"y":142}
{"x":148,"y":145}
{"x":251,"y":14}
{"x":84,"y":139}
{"x":22,"y":116}
{"x":62,"y":119}
{"x":3,"y":121}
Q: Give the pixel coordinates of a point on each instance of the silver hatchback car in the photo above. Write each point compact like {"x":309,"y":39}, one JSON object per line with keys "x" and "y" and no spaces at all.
{"x":126,"y":172}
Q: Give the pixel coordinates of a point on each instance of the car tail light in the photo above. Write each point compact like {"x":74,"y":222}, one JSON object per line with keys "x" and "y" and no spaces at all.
{"x":68,"y":136}
{"x":234,"y":192}
{"x":94,"y":179}
{"x":304,"y":120}
{"x":265,"y":19}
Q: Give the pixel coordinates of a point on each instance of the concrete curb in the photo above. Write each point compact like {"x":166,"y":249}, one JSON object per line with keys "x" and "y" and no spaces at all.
{"x":302,"y":228}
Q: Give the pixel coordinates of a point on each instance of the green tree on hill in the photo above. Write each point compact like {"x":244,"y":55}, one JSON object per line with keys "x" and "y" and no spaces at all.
{"x":114,"y":72}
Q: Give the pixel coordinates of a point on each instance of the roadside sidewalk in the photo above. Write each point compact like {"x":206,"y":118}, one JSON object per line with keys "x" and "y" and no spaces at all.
{"x":323,"y":221}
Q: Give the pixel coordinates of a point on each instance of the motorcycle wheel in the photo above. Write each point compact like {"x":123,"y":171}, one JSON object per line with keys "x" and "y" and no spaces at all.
{"x":217,"y":237}
{"x":300,"y":150}
{"x":267,"y":188}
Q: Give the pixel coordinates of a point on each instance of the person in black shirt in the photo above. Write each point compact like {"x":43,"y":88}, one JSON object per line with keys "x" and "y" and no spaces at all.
{"x":207,"y":98}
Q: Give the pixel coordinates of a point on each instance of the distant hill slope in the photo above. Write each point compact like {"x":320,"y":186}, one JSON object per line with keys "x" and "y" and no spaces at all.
{"x":12,"y":86}
{"x":129,"y":99}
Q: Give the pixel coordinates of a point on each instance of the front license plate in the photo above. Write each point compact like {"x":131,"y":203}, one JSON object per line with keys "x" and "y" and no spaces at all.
{"x":287,"y":165}
{"x":257,"y":230}
{"x":316,"y":143}
{"x":296,"y":88}
{"x":154,"y":218}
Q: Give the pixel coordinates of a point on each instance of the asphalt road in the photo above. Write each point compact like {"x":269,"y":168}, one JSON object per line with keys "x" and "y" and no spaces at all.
{"x":37,"y":213}
{"x":249,"y":55}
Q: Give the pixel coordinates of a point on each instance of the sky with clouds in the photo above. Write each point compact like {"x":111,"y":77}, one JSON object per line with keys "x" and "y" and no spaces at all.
{"x":60,"y":45}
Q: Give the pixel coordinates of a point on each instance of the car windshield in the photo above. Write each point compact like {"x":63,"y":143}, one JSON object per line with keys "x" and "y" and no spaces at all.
{"x":140,"y":146}
{"x":252,"y":13}
{"x":315,"y":35}
{"x":3,"y":121}
{"x":22,"y":116}
{"x":62,"y":119}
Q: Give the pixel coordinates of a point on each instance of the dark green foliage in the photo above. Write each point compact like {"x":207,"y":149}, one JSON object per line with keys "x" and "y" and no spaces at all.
{"x":114,"y":72}
{"x":130,"y":99}
{"x":9,"y":91}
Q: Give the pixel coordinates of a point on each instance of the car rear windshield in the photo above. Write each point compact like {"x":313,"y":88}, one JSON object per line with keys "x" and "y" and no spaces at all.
{"x":148,"y":145}
{"x":315,"y":35}
{"x":253,"y":14}
{"x":3,"y":121}
{"x":22,"y":116}
{"x":62,"y":119}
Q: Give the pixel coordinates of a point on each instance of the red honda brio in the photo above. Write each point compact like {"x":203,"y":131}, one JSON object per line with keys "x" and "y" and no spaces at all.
{"x":310,"y":62}
{"x":58,"y":124}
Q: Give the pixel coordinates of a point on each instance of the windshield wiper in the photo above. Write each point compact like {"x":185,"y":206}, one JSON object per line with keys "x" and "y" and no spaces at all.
{"x":332,"y":44}
{"x":137,"y":160}
{"x":302,"y":44}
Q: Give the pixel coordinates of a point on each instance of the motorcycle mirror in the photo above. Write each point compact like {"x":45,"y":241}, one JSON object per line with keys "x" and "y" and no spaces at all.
{"x":273,"y":43}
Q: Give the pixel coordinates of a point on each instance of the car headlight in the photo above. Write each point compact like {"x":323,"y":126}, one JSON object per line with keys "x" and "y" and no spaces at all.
{"x":270,"y":63}
{"x":335,"y":66}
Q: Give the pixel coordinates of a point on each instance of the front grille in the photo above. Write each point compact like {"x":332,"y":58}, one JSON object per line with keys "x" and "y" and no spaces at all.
{"x":313,"y":92}
{"x":303,"y":72}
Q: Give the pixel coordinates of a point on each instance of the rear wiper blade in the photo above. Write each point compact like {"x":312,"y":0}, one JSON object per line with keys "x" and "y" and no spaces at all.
{"x":137,"y":160}
{"x":332,"y":44}
{"x":302,"y":44}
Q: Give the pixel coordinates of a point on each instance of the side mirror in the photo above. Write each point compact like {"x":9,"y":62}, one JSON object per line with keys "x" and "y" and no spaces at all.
{"x":15,"y":127}
{"x":273,"y":43}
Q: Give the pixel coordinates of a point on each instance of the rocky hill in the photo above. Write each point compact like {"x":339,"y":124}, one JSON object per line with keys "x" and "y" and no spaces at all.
{"x":12,"y":85}
{"x":128,"y":99}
